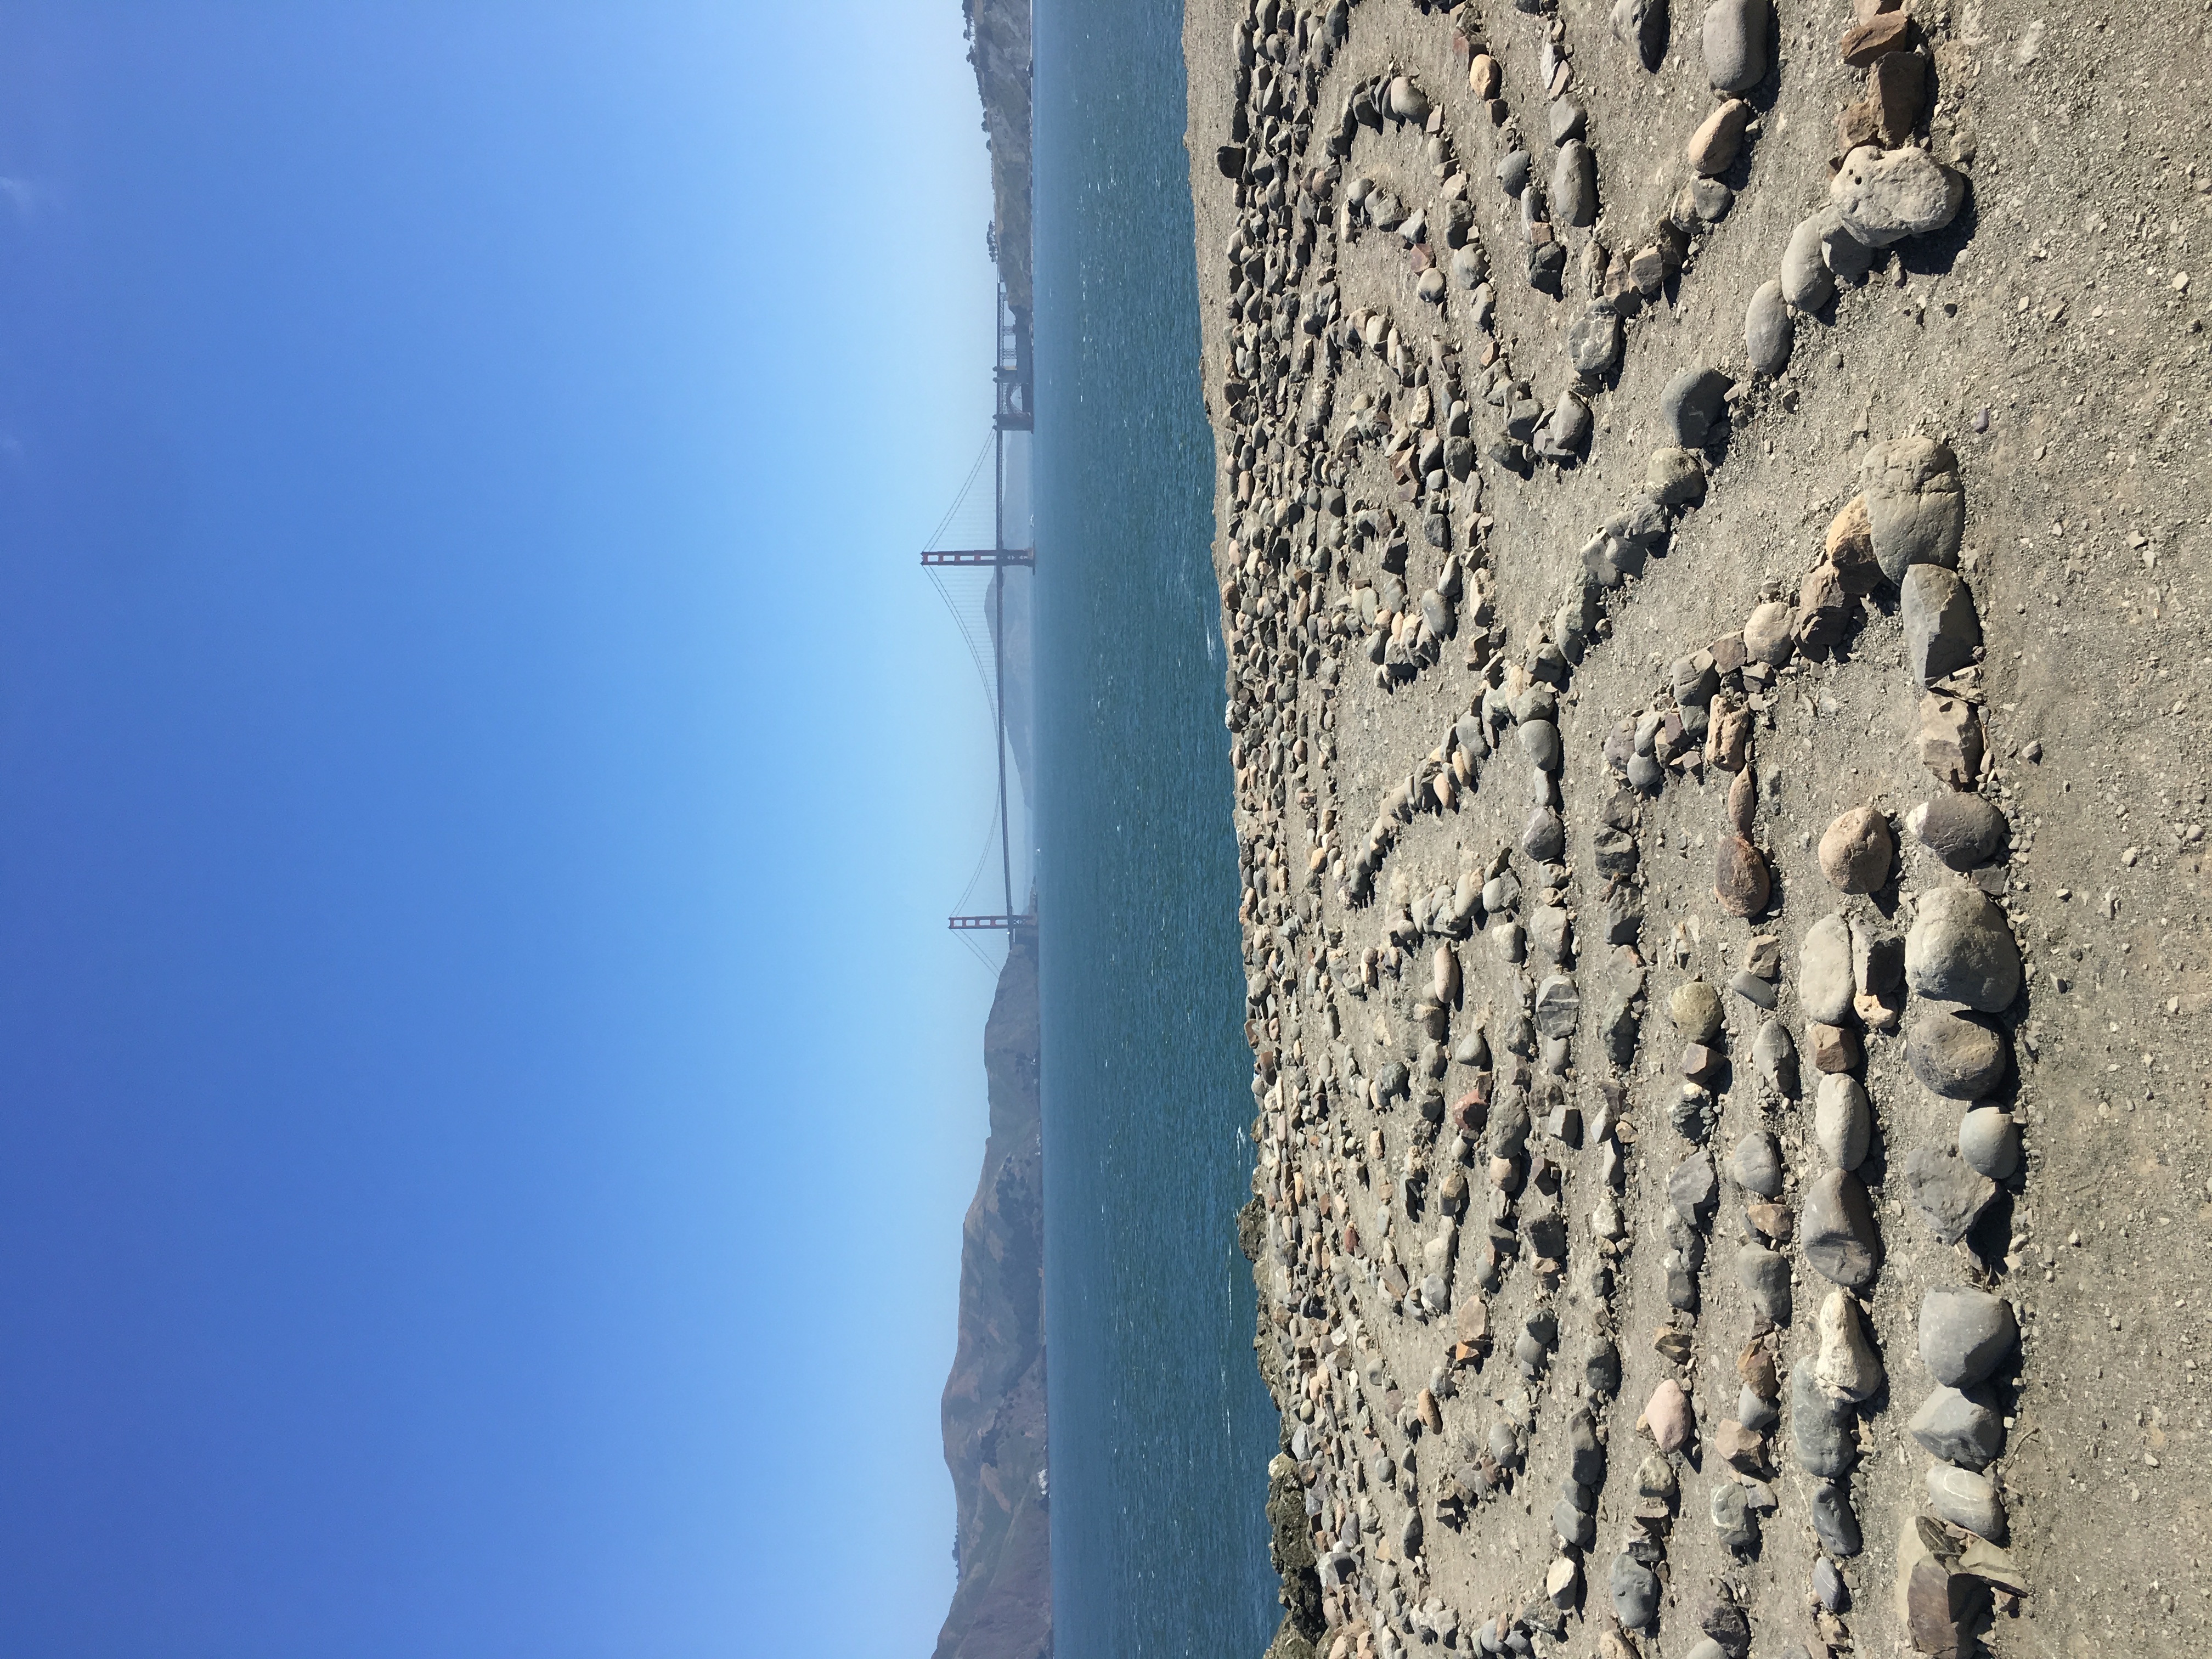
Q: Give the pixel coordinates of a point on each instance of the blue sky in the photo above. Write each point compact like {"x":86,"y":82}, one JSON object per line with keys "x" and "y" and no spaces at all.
{"x":487,"y":1097}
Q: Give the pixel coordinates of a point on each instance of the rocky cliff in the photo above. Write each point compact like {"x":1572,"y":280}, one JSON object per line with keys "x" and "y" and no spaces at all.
{"x":999,"y":47}
{"x":995,"y":1399}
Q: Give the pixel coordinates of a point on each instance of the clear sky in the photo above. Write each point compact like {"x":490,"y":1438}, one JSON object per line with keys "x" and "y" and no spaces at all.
{"x":487,"y":1097}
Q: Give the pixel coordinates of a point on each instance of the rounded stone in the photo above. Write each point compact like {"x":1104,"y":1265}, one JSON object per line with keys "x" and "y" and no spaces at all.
{"x":1964,"y":1334}
{"x":1770,"y":333}
{"x":1806,"y":281}
{"x":1740,"y":881}
{"x":1540,"y":740}
{"x":1820,"y":1428}
{"x":1825,"y":983}
{"x":1958,"y":1055}
{"x":1963,"y":830}
{"x":1834,"y":1523}
{"x":1960,"y":949}
{"x":1765,"y":1276}
{"x":1857,"y":850}
{"x":1691,"y":405}
{"x":1966,"y":1499}
{"x":1988,"y":1139}
{"x":1635,"y":1591}
{"x":1755,"y":1165}
{"x":1668,"y":1418}
{"x":1842,"y":1121}
{"x":1958,"y":1429}
{"x":1734,"y":37}
{"x":1885,"y":196}
{"x":1714,"y":145}
{"x":1695,"y":1008}
{"x":1407,"y":102}
{"x":1733,"y":1519}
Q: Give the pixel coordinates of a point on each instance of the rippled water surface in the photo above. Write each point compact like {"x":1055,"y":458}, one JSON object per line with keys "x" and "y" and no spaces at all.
{"x":1161,"y":1432}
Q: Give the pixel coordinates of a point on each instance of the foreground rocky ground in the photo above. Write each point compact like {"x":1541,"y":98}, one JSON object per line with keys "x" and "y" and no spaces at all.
{"x":1711,"y":510}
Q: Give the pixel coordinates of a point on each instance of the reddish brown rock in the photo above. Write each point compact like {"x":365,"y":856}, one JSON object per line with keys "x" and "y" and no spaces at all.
{"x":1744,"y":1448}
{"x":1740,"y":881}
{"x":1857,"y":122}
{"x":1864,"y":42}
{"x":1941,"y":1609}
{"x":1668,"y":1418}
{"x":1835,"y":1047}
{"x":1755,"y":1367}
{"x":1728,"y":739}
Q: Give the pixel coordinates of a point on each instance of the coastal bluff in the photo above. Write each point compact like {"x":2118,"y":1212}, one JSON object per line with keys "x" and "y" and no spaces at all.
{"x":994,"y":1398}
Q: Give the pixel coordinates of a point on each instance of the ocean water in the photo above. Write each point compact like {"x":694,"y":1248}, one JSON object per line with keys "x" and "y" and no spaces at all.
{"x":1161,"y":1432}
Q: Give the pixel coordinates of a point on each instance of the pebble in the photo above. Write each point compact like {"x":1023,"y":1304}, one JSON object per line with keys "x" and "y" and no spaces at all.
{"x":1768,"y":633}
{"x":1960,"y":949}
{"x":1834,"y":1523}
{"x":1949,"y":1193}
{"x":1668,"y":1417}
{"x":1967,"y":1499}
{"x":1407,"y":102}
{"x":1695,"y":1008}
{"x":1842,"y":1122}
{"x":1513,"y":171}
{"x":1916,"y":506}
{"x":1958,"y":1429}
{"x":1820,"y":1428}
{"x":1885,"y":196}
{"x":1824,"y":985}
{"x":1675,"y":477}
{"x":1594,"y":342}
{"x":1838,"y":1232}
{"x":1690,"y":405}
{"x":1847,"y":1365}
{"x":1713,"y":148}
{"x":1568,"y":120}
{"x":1752,"y":988}
{"x":1755,"y":1165}
{"x":1740,"y":881}
{"x":1470,"y":266}
{"x":1807,"y":283}
{"x":1544,"y":837}
{"x":1765,"y":1276}
{"x":1828,"y":1587}
{"x":1942,"y":627}
{"x":1988,"y":1139}
{"x":1574,"y":183}
{"x":1735,"y":38}
{"x":1960,"y":1056}
{"x":1693,"y":1188}
{"x":1963,"y":830}
{"x":1769,"y":331}
{"x":1755,"y":1412}
{"x":1558,"y":1006}
{"x":1540,"y":740}
{"x":1857,"y":850}
{"x":1635,"y":1591}
{"x":1964,"y":1334}
{"x":1738,"y":1527}
{"x":1774,"y":1057}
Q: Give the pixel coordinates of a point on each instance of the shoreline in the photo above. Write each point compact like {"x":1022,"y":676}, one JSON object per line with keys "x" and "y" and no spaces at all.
{"x":1672,"y":1058}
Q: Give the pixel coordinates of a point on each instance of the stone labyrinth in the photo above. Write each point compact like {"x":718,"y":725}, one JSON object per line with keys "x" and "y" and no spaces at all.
{"x":1624,"y":1204}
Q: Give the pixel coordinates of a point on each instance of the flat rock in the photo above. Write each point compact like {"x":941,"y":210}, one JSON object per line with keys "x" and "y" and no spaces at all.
{"x":1765,"y":1276}
{"x":1958,"y":1055}
{"x":1843,"y":1121}
{"x":1965,"y":1335}
{"x":1558,"y":1006}
{"x":1945,"y":1191}
{"x":1916,"y":506}
{"x":1942,"y":626}
{"x":1574,"y":183}
{"x":1774,"y":1057}
{"x":1732,"y":1517}
{"x":1825,"y":986}
{"x":1734,"y":34}
{"x":1960,"y":949}
{"x":1941,"y":1608}
{"x":1594,"y":340}
{"x":1885,"y":196}
{"x":1958,"y":1429}
{"x":1837,"y":1231}
{"x":1963,"y":830}
{"x":1858,"y":848}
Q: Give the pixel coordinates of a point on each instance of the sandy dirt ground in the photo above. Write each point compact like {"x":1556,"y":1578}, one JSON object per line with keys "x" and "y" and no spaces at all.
{"x":1722,"y":782}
